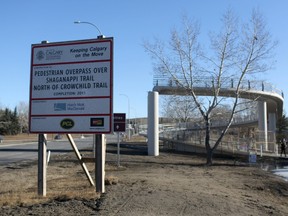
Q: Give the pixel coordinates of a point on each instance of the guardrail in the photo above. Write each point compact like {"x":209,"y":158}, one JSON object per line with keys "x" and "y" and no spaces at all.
{"x":186,"y":137}
{"x":208,"y":82}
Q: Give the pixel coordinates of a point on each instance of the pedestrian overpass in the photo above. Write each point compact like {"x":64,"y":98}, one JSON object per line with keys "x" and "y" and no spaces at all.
{"x":270,"y":103}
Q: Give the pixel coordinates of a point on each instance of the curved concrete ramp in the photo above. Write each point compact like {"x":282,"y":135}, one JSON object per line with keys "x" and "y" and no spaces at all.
{"x":270,"y":101}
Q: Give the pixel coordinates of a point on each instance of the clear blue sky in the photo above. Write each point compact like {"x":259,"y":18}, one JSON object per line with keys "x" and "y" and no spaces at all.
{"x":130,"y":22}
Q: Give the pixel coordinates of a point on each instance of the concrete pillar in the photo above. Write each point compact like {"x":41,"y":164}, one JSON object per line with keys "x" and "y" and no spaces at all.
{"x":272,"y":122}
{"x":153,"y":122}
{"x":272,"y":129}
{"x":262,"y":124}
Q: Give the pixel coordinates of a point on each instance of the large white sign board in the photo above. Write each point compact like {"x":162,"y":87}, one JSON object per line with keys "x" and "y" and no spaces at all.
{"x":71,"y":87}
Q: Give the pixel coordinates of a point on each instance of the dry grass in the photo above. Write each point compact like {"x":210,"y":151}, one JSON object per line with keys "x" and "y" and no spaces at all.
{"x":111,"y":180}
{"x":25,"y":137}
{"x":135,"y":139}
{"x":65,"y":180}
{"x":21,"y":137}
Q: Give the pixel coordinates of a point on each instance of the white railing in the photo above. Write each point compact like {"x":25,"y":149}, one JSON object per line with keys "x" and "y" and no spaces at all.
{"x":208,"y":82}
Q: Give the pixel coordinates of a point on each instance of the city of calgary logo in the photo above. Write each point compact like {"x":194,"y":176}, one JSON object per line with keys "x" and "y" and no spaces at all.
{"x":49,"y":54}
{"x":67,"y":124}
{"x":40,"y":55}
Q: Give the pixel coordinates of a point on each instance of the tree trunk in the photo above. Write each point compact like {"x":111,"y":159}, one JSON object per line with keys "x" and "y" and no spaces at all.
{"x":209,"y":150}
{"x":209,"y":156}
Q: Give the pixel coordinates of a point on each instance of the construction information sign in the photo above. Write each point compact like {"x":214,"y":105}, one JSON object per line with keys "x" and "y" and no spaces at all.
{"x":71,"y":87}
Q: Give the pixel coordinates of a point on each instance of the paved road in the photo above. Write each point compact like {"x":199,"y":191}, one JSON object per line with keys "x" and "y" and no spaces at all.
{"x":10,"y":153}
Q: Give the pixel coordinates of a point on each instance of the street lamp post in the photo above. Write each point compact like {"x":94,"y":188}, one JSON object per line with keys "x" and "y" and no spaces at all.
{"x":99,"y":36}
{"x":128,"y":114}
{"x":89,"y":23}
{"x":98,"y":142}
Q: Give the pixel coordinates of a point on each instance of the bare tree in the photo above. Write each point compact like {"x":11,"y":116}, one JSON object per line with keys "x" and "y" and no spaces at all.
{"x":23,"y":113}
{"x":178,"y":107}
{"x":236,"y":52}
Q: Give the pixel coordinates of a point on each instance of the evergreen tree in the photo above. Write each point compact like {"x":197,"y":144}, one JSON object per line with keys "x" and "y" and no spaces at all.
{"x":282,"y":127}
{"x":9,"y":122}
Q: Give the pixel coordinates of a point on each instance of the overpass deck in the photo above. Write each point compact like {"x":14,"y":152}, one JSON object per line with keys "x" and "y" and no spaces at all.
{"x":253,"y":90}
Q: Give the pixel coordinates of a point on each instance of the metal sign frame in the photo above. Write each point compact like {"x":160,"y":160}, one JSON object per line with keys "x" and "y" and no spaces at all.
{"x":71,"y":87}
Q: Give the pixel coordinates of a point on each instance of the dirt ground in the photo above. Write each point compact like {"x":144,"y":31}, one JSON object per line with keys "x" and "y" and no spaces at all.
{"x":170,"y":184}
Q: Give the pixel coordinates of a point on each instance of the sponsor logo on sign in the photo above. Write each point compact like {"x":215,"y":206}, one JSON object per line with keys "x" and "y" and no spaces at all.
{"x":67,"y":124}
{"x":97,"y":122}
{"x":59,"y":106}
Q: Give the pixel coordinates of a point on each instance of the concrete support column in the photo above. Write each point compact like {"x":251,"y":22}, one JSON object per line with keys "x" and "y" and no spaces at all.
{"x":153,"y":122}
{"x":272,"y":129}
{"x":272,"y":122}
{"x":262,"y":124}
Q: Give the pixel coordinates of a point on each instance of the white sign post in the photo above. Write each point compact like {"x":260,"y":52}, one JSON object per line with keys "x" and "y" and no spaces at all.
{"x":71,"y":87}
